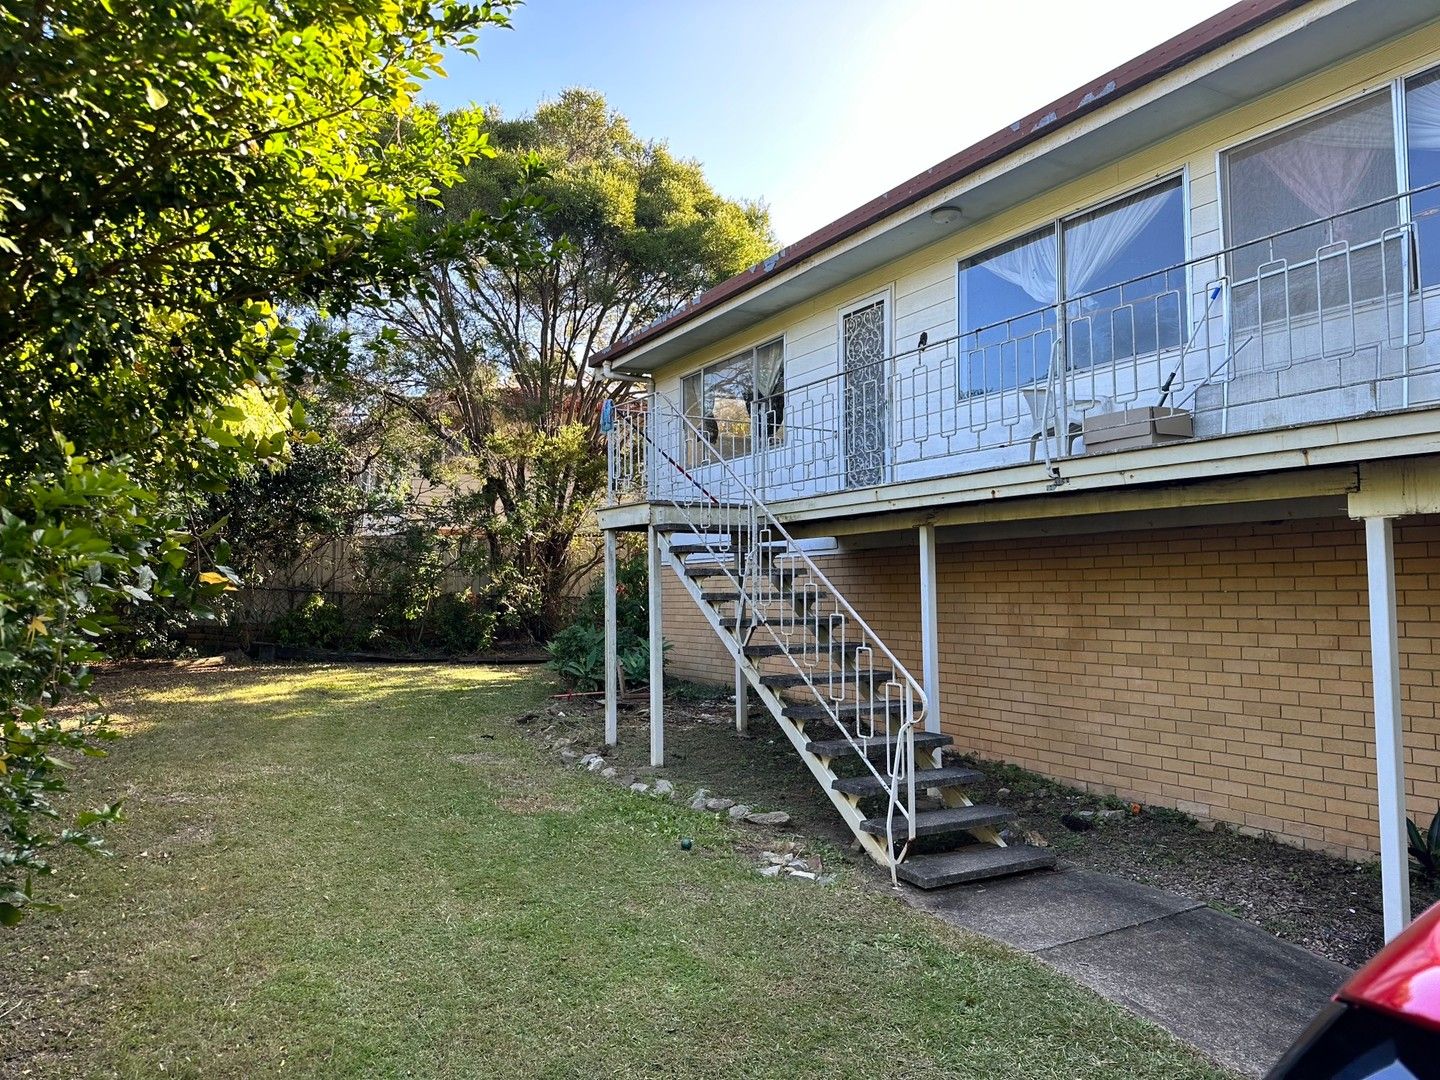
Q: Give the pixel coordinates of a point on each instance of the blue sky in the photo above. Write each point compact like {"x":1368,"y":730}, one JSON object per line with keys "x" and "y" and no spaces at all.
{"x":813,"y":106}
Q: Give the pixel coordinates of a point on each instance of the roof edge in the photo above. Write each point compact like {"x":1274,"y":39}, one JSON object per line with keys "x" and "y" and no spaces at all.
{"x":1215,"y":32}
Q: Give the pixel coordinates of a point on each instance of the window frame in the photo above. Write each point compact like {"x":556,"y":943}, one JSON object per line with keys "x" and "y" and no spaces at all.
{"x":1179,"y":176}
{"x":1394,"y":88}
{"x":702,"y":453}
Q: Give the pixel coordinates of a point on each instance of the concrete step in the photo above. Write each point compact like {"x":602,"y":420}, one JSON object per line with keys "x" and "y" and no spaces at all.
{"x":870,"y":784}
{"x":881,"y":744}
{"x":952,"y":819}
{"x":974,"y":862}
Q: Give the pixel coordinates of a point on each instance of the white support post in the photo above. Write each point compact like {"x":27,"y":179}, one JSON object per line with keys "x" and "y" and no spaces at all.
{"x":930,"y":627}
{"x":742,"y":698}
{"x":612,"y":662}
{"x":1389,"y":731}
{"x":657,"y":653}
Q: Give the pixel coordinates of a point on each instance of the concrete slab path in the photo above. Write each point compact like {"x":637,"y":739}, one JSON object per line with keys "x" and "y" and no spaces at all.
{"x":1223,"y":985}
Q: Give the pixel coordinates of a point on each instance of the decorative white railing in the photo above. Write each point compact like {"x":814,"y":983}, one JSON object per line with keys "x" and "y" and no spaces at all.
{"x":860,"y":687}
{"x":1328,"y":320}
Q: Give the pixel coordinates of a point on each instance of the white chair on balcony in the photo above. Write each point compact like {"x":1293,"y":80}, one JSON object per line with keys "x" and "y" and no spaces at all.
{"x":1046,"y":421}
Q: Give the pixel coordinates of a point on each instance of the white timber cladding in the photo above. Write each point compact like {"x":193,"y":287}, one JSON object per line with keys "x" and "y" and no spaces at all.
{"x":921,"y":288}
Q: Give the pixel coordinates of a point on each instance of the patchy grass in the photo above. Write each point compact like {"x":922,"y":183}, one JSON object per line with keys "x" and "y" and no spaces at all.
{"x":352,"y":871}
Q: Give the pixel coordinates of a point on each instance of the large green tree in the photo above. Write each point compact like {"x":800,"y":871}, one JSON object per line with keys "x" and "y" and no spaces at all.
{"x":182,"y":184}
{"x":490,"y":354}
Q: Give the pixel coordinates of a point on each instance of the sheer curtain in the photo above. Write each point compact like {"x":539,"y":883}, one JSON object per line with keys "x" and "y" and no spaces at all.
{"x":1331,"y":165}
{"x":1422,"y":114}
{"x":1091,"y":244}
{"x":1030,"y":264}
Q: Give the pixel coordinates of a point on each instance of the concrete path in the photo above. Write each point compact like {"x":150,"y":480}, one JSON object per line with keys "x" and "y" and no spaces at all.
{"x":1223,"y":985}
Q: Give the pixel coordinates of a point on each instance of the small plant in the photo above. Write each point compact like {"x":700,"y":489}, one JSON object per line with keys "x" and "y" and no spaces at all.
{"x":635,"y":662}
{"x":1425,"y":847}
{"x":578,"y":654}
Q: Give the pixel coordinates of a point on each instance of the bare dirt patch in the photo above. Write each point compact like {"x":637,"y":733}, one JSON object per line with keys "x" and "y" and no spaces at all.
{"x":477,"y":760}
{"x":529,"y":805}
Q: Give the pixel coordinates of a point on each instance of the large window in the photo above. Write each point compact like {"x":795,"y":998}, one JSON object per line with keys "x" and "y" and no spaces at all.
{"x":731,"y":402}
{"x":1307,"y":208}
{"x":1422,"y":141}
{"x":1122,"y":288}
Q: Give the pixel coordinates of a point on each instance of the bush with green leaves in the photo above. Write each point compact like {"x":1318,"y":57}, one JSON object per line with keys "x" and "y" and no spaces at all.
{"x":1425,"y":846}
{"x":317,"y":623}
{"x":578,"y":651}
{"x":184,"y":186}
{"x":75,"y":553}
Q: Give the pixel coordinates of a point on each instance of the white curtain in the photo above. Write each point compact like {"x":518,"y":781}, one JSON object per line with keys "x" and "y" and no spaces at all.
{"x":1422,"y":116}
{"x":1029,"y":264}
{"x":1330,"y":164}
{"x":1091,"y":244}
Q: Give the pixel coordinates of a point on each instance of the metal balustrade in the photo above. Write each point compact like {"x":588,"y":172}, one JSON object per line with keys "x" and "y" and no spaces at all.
{"x":781,"y":599}
{"x":1347,"y":330}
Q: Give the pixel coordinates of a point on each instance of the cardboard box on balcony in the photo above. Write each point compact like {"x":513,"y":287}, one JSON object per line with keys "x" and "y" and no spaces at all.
{"x":1129,"y":429}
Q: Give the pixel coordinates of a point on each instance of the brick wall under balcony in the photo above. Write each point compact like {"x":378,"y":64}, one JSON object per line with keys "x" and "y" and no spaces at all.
{"x":1223,"y":671}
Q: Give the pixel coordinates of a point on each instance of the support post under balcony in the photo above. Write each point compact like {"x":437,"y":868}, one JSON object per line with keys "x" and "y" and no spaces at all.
{"x":612,"y":660}
{"x":1389,"y":727}
{"x":656,"y":565}
{"x":930,"y":626}
{"x":742,"y":699}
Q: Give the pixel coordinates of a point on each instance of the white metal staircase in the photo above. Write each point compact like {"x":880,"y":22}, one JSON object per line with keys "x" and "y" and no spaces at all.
{"x":849,"y":707}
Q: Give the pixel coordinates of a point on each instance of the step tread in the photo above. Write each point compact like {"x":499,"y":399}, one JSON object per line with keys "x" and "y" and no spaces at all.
{"x":766,"y":649}
{"x":869,"y":784}
{"x":974,"y":862}
{"x":820,"y":712}
{"x":794,"y":678}
{"x":924,"y":740}
{"x":952,"y":819}
{"x":710,"y":569}
{"x":670,"y":528}
{"x":700,"y":548}
{"x":720,"y":596}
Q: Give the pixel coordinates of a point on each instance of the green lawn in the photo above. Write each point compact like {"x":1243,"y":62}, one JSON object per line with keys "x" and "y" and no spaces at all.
{"x":361,"y":871}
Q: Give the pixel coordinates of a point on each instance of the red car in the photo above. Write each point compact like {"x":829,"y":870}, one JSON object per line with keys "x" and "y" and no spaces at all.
{"x":1384,"y":1024}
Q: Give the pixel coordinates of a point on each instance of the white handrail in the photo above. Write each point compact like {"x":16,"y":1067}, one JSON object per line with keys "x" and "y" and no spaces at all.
{"x":900,"y":755}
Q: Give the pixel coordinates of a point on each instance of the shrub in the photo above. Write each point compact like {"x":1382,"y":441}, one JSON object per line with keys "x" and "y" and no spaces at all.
{"x":1425,"y":846}
{"x":464,"y":623}
{"x":578,"y":654}
{"x":317,"y":623}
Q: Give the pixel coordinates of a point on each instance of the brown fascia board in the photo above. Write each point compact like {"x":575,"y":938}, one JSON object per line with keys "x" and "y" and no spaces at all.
{"x":1203,"y":38}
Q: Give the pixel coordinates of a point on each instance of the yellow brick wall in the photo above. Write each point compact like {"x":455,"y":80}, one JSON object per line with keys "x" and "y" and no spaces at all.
{"x":1223,"y":670}
{"x":696,"y":654}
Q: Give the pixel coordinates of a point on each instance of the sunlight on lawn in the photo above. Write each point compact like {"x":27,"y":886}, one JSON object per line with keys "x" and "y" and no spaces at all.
{"x":358,"y":871}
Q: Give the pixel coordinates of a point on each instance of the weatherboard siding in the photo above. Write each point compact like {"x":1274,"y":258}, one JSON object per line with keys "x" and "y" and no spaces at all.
{"x":922,"y":284}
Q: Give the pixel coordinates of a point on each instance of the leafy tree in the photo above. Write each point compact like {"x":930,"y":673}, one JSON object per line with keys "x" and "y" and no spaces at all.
{"x":179,"y":181}
{"x":488,"y":356}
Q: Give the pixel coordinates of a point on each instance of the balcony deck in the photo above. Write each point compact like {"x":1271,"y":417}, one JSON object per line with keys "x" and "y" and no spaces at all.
{"x":1328,"y":362}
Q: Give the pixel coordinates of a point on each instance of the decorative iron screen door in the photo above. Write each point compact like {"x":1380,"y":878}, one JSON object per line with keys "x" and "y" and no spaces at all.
{"x":862,"y":347}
